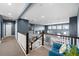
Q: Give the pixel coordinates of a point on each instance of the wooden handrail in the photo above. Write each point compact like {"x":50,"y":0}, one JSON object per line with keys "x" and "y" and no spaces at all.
{"x":43,"y":38}
{"x":27,"y":43}
{"x":72,"y":38}
{"x":62,"y":35}
{"x":36,"y":38}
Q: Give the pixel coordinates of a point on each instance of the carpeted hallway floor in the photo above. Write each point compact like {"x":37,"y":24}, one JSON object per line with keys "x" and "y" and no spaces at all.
{"x":10,"y":47}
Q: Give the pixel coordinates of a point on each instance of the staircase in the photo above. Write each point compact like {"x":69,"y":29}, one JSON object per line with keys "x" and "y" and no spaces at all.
{"x":36,"y":46}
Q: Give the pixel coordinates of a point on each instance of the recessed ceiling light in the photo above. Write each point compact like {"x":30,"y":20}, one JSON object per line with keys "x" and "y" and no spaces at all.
{"x":9,"y":14}
{"x":42,"y":16}
{"x":10,"y":4}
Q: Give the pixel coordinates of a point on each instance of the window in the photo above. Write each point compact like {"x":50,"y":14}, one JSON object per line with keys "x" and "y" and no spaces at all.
{"x":64,"y":33}
{"x":39,"y":28}
{"x":66,"y":26}
{"x":48,"y":31}
{"x":49,"y":27}
{"x":60,"y":29}
{"x":59,"y":26}
{"x":53,"y":27}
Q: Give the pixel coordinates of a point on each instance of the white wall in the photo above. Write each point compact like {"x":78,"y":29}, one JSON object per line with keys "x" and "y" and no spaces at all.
{"x":3,"y":29}
{"x":16,"y":29}
{"x":21,"y":38}
{"x":22,"y":41}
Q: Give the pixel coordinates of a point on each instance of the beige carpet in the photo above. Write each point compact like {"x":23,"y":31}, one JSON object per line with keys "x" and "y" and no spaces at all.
{"x":10,"y":47}
{"x":39,"y":52}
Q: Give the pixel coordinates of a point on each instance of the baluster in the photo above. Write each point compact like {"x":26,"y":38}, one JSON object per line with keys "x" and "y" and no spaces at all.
{"x":77,"y":42}
{"x":75,"y":39}
{"x":62,"y":38}
{"x":27,"y":43}
{"x":31,"y":45}
{"x":70,"y":40}
{"x":42,"y":38}
{"x":67,"y":40}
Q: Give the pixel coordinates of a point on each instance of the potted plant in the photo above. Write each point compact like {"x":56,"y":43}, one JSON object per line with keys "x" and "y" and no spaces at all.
{"x":73,"y":51}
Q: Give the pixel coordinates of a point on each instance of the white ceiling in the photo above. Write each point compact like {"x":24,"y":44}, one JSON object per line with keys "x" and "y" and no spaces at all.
{"x":51,"y":13}
{"x":12,"y":11}
{"x":40,"y":13}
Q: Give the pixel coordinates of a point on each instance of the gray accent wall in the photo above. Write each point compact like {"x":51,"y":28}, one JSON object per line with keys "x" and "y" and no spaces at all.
{"x":13,"y":28}
{"x":1,"y":24}
{"x":46,"y":28}
{"x":23,"y":26}
{"x":73,"y":26}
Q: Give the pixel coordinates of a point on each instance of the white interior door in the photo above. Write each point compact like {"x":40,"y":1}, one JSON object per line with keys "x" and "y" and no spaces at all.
{"x":8,"y":29}
{"x":4,"y":30}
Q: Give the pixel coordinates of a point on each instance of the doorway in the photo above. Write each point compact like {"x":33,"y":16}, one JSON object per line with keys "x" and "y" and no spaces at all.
{"x":8,"y":29}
